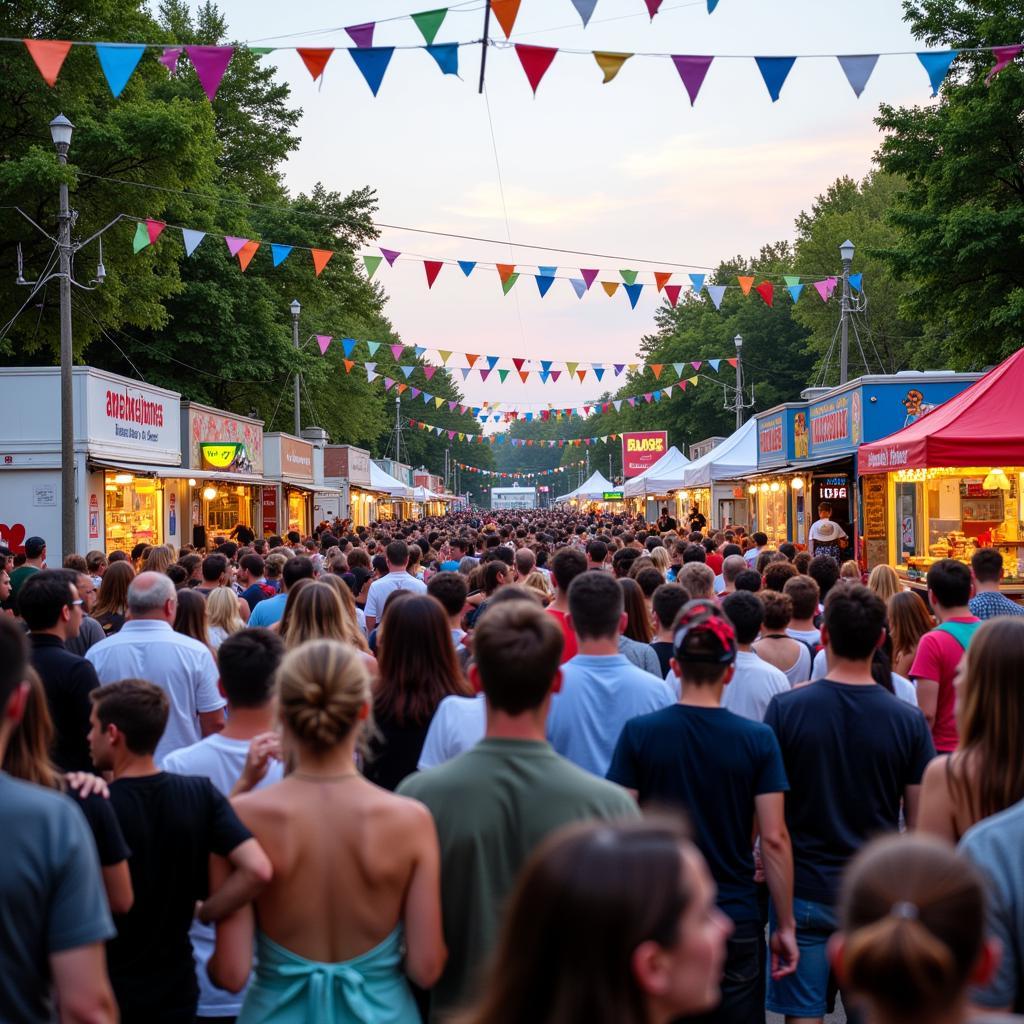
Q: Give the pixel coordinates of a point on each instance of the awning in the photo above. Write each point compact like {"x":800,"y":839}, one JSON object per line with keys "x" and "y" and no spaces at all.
{"x":298,"y":485}
{"x":180,"y":473}
{"x":735,"y":457}
{"x":384,"y":481}
{"x":795,"y":467}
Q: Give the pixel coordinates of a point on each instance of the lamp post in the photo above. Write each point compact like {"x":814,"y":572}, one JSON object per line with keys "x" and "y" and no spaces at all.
{"x":296,"y":309}
{"x":738,"y":341}
{"x":60,"y":132}
{"x":846,"y":254}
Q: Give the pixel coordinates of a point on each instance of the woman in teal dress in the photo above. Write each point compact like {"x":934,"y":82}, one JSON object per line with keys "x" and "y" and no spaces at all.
{"x":354,"y":908}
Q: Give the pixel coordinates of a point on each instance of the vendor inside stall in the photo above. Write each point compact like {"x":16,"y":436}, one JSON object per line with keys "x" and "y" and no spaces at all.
{"x":134,"y":510}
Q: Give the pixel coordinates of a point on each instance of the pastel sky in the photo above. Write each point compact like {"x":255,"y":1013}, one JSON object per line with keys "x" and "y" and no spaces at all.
{"x":627,"y":170}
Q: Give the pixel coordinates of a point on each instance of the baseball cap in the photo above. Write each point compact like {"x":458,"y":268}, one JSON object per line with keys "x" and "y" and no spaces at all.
{"x":703,"y":634}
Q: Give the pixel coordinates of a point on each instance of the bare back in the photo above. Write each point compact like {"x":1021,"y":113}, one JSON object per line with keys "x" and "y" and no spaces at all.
{"x":781,"y":651}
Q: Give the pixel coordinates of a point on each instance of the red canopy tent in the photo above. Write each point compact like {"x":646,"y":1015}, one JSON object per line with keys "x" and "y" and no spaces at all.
{"x":981,"y":426}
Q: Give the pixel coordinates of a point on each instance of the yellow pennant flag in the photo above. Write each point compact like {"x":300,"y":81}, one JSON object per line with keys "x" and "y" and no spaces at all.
{"x":438,"y":402}
{"x":693,"y":381}
{"x":610,"y":287}
{"x":610,"y":63}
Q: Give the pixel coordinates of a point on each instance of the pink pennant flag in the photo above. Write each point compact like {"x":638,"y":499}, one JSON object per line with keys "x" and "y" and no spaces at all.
{"x":324,"y":341}
{"x":429,"y":371}
{"x":1004,"y":56}
{"x":210,"y":63}
{"x":169,"y":58}
{"x":154,"y":227}
{"x":696,"y":365}
{"x":396,"y":351}
{"x":823,"y":289}
{"x":362,"y":35}
{"x":589,"y":277}
{"x":652,"y":7}
{"x":390,"y":255}
{"x":692,"y":70}
{"x":234,"y":244}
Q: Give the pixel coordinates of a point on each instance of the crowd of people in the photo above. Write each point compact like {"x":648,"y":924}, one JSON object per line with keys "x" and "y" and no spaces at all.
{"x":532,"y":767}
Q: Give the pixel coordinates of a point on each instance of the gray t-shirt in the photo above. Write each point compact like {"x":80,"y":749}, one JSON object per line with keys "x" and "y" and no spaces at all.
{"x":52,"y":898}
{"x":995,"y":845}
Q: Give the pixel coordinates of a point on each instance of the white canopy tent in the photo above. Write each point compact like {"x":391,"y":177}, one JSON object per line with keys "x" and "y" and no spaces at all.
{"x":591,"y":490}
{"x":424,"y":494}
{"x":383,"y":481}
{"x":735,"y":457}
{"x":664,"y":476}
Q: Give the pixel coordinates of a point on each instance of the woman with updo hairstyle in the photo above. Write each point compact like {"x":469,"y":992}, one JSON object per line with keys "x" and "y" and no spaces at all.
{"x":912,"y":933}
{"x":609,"y":924}
{"x":354,"y":907}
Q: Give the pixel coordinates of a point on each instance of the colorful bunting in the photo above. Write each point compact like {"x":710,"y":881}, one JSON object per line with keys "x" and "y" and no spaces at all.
{"x":717,"y":292}
{"x":652,"y":7}
{"x":855,"y":281}
{"x":692,"y":70}
{"x":428,"y":22}
{"x":446,"y":56}
{"x":390,"y":255}
{"x":234,"y":244}
{"x":697,"y":281}
{"x":323,"y":340}
{"x":629,"y":276}
{"x":279,"y":253}
{"x":432,"y":268}
{"x":191,"y":239}
{"x":362,"y":35}
{"x":141,"y":239}
{"x":506,"y":11}
{"x":610,"y":63}
{"x":246,"y":253}
{"x":544,"y":282}
{"x":579,"y":286}
{"x":1004,"y":55}
{"x":372,"y":63}
{"x":589,"y":277}
{"x":321,"y":257}
{"x":49,"y":55}
{"x":746,"y":283}
{"x":535,"y":61}
{"x":466,"y":266}
{"x":371,"y":263}
{"x":633,"y":291}
{"x":154,"y":229}
{"x":858,"y":70}
{"x":610,"y":287}
{"x":936,"y":63}
{"x":660,"y":280}
{"x":767,"y":292}
{"x":170,"y":57}
{"x":585,"y":9}
{"x":210,"y":63}
{"x":508,"y":283}
{"x":774,"y":71}
{"x":118,"y":61}
{"x":672,"y":292}
{"x":315,"y":59}
{"x":505,"y":271}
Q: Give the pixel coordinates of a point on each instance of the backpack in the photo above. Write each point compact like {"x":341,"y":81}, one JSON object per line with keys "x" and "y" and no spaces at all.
{"x":961,"y":632}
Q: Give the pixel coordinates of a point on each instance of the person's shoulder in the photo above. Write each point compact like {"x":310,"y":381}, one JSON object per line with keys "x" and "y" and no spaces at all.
{"x":1002,"y":830}
{"x":568,"y":778}
{"x":27,"y":799}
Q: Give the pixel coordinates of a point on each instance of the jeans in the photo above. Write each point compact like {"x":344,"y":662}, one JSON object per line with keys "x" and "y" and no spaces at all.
{"x":742,"y":983}
{"x":806,"y":992}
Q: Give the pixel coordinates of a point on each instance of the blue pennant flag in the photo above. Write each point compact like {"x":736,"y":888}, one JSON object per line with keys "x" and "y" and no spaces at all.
{"x":192,"y":239}
{"x":544,"y":374}
{"x":118,"y":61}
{"x":466,"y":266}
{"x":419,"y":351}
{"x":855,"y":281}
{"x":633,"y":291}
{"x":858,"y":70}
{"x":697,"y":281}
{"x":547,"y":271}
{"x":657,"y":395}
{"x":447,"y":57}
{"x":545,"y":365}
{"x":373,"y":346}
{"x":407,"y":370}
{"x":598,"y":372}
{"x":579,"y":286}
{"x":774,"y":71}
{"x":372,"y":62}
{"x":348,"y":344}
{"x":795,"y":290}
{"x":715,"y":363}
{"x":937,"y":64}
{"x":279,"y":253}
{"x":492,"y":361}
{"x":427,"y":398}
{"x":584,"y":8}
{"x":544,"y":282}
{"x":712,"y":4}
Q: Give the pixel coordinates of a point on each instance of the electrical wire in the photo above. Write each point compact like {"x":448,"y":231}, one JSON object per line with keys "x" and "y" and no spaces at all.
{"x":38,"y":284}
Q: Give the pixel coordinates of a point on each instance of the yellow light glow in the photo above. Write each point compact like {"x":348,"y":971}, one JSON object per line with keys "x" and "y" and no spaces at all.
{"x":752,"y":489}
{"x":124,"y":478}
{"x":797,"y":484}
{"x":191,"y":482}
{"x":764,"y":488}
{"x":209,"y":493}
{"x":997,"y":480}
{"x":774,"y":487}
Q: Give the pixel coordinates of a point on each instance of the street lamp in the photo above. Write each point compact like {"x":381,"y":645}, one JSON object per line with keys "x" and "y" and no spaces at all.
{"x":738,"y":341}
{"x":296,"y":309}
{"x":846,"y":255}
{"x":60,"y":132}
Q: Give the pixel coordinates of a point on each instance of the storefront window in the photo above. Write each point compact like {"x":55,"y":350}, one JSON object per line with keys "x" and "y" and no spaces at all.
{"x":231,"y":505}
{"x":134,"y":511}
{"x":297,"y":518}
{"x":772,"y":512}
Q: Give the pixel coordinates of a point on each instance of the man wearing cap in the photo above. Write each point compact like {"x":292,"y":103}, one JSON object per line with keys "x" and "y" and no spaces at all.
{"x":35,"y":560}
{"x":725,"y":772}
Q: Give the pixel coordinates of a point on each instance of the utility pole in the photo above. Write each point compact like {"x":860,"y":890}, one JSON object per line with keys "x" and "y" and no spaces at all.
{"x":483,"y":44}
{"x":60,"y":131}
{"x":739,"y":381}
{"x":398,"y":428}
{"x":846,"y":254}
{"x":296,"y":310}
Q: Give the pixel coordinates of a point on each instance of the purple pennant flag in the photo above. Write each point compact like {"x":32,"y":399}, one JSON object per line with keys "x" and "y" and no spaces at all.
{"x":692,"y":71}
{"x":396,"y":351}
{"x":390,"y":255}
{"x":234,"y":244}
{"x":210,"y":63}
{"x":169,"y":58}
{"x":362,"y":35}
{"x":579,"y":286}
{"x":324,"y":341}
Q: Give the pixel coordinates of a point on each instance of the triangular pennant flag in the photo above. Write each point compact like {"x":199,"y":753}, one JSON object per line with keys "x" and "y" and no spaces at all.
{"x":857,"y":69}
{"x":502,"y":374}
{"x":823,"y":289}
{"x":361,"y":35}
{"x":545,"y":365}
{"x":582,"y":374}
{"x":324,"y":341}
{"x":697,"y":364}
{"x":446,"y":57}
{"x":610,"y":63}
{"x":715,"y":363}
{"x":234,"y":244}
{"x":543,"y":284}
{"x":371,"y":263}
{"x":774,"y":71}
{"x":428,"y":22}
{"x":372,"y":63}
{"x":154,"y":229}
{"x":315,"y":59}
{"x":321,"y":257}
{"x":1004,"y":55}
{"x":396,"y":351}
{"x":693,"y":381}
{"x":589,"y":276}
{"x":746,"y":283}
{"x":518,"y":362}
{"x":732,"y":362}
{"x":141,"y":239}
{"x":633,"y":291}
{"x":492,"y":361}
{"x":681,"y":384}
{"x":403,"y":388}
{"x":388,"y":383}
{"x":937,"y":64}
{"x":547,"y":271}
{"x":767,"y":292}
{"x":506,"y":285}
{"x":692,"y":70}
{"x":390,"y":255}
{"x":48,"y":55}
{"x":445,"y":356}
{"x":791,"y":279}
{"x":717,"y":292}
{"x":118,"y":61}
{"x":618,"y":368}
{"x":465,"y":372}
{"x":697,"y":281}
{"x":571,"y":368}
{"x":466,"y":266}
{"x":661,"y":279}
{"x":506,"y":11}
{"x":169,"y":58}
{"x":523,"y":374}
{"x":672,"y":292}
{"x":471,"y":358}
{"x":348,"y":364}
{"x":535,"y":61}
{"x":432,"y":268}
{"x":652,"y":7}
{"x":656,"y":369}
{"x":585,"y":9}
{"x":555,"y":374}
{"x":795,"y":290}
{"x":246,"y":253}
{"x":372,"y":347}
{"x":610,"y":287}
{"x":649,"y":397}
{"x":279,"y":253}
{"x":348,"y":344}
{"x":629,"y":276}
{"x":505,"y":270}
{"x":438,"y":402}
{"x":407,"y":372}
{"x":261,"y":51}
{"x":855,"y":281}
{"x":191,"y":239}
{"x":371,"y":368}
{"x":598,"y":372}
{"x":210,"y":63}
{"x":579,"y":286}
{"x":429,"y":371}
{"x":484,"y":374}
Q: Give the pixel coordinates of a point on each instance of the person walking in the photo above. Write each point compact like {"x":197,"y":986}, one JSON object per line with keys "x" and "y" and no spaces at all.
{"x":397,"y":554}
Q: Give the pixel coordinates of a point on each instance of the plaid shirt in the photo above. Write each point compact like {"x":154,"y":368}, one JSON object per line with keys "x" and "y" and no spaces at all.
{"x":990,"y":604}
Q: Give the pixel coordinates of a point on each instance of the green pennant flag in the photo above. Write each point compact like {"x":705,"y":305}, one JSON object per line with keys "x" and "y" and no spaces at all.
{"x":373,"y":346}
{"x":260,"y":51}
{"x":502,"y":374}
{"x":629,"y":276}
{"x":371,"y":263}
{"x":141,"y":239}
{"x":428,"y":22}
{"x":506,"y":285}
{"x":791,"y":279}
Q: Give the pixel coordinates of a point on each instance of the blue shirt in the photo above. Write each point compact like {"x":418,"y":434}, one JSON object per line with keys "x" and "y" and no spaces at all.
{"x":712,"y":764}
{"x":599,"y":695}
{"x":266,"y":613}
{"x":989,"y":604}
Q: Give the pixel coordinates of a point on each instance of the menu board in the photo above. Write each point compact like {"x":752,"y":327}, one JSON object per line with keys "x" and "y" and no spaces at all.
{"x":875,"y":507}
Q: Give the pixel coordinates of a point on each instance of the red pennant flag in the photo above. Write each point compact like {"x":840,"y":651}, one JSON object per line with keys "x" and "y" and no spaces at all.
{"x":661,"y":279}
{"x":315,"y":59}
{"x":535,"y":60}
{"x":766,"y":291}
{"x":518,"y":363}
{"x":505,"y":271}
{"x":652,"y":7}
{"x":732,"y":362}
{"x":246,"y":253}
{"x":433,"y":268}
{"x":581,"y":374}
{"x":672,"y":291}
{"x":48,"y":55}
{"x":506,"y":11}
{"x":153,"y":228}
{"x":320,"y":259}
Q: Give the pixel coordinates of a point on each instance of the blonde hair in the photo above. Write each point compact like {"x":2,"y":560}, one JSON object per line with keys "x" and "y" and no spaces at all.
{"x":849,"y":570}
{"x":222,"y":610}
{"x":539,"y":582}
{"x":350,"y":622}
{"x":316,"y":614}
{"x":322,"y":687}
{"x":884,"y":582}
{"x":660,"y":558}
{"x":159,"y":559}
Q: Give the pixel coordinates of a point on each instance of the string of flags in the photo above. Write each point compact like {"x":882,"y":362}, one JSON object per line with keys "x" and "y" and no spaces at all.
{"x":521,"y":475}
{"x":506,"y":11}
{"x":148,"y":230}
{"x":513,"y":442}
{"x":118,"y":61}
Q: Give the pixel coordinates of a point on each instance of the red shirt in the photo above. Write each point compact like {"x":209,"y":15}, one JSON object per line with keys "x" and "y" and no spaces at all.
{"x":570,"y":649}
{"x":714,"y":562}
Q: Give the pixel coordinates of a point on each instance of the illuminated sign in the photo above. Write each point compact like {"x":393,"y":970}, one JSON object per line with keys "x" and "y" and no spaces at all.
{"x":612,"y":496}
{"x":641,"y":450}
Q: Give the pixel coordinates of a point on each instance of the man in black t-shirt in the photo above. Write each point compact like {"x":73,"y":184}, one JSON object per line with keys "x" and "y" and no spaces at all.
{"x":853,"y":752}
{"x":172,"y":823}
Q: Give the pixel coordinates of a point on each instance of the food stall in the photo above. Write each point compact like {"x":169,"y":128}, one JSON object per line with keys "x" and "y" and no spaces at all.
{"x":348,"y":468}
{"x":396,"y":503}
{"x":714,"y":480}
{"x":951,"y":481}
{"x":590,"y":494}
{"x":649,"y":492}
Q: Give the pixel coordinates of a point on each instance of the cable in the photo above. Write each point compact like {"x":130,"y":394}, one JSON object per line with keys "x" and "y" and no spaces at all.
{"x":39,"y":283}
{"x":603,"y":21}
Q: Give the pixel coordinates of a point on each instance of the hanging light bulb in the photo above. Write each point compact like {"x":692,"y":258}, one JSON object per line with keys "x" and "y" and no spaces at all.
{"x":797,"y":484}
{"x":775,"y":486}
{"x":764,"y":488}
{"x":209,"y":493}
{"x":752,"y":489}
{"x":997,"y":480}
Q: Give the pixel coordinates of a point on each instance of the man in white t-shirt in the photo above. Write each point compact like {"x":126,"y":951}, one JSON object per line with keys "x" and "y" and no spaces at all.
{"x":239,"y":759}
{"x":754,"y":682}
{"x":804,"y":593}
{"x":397,"y":554}
{"x":147,"y":647}
{"x":825,"y":536}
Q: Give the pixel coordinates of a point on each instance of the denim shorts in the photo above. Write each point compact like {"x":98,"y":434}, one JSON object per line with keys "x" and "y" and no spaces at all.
{"x":805,"y":992}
